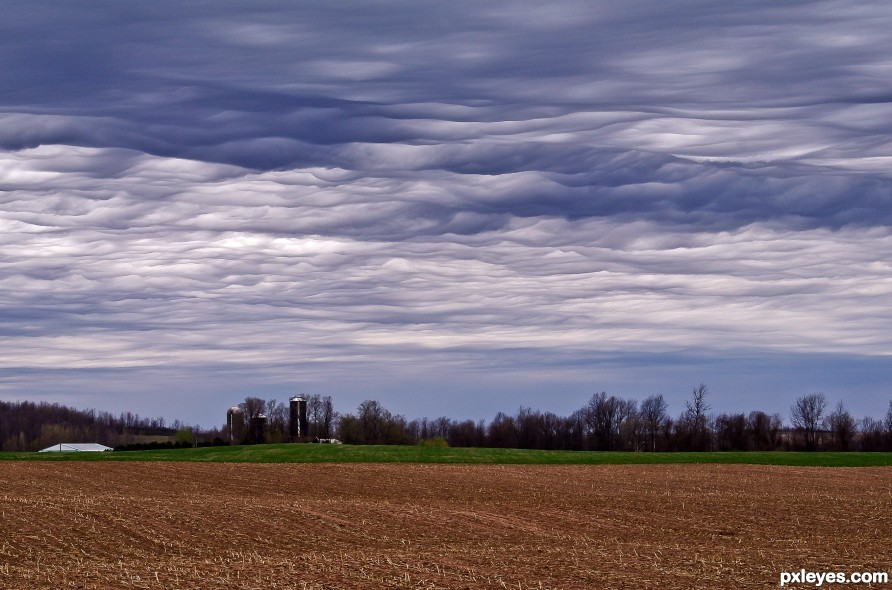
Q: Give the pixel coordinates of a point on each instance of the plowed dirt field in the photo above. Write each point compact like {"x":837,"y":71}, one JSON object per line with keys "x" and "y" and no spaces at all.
{"x":197,"y":526}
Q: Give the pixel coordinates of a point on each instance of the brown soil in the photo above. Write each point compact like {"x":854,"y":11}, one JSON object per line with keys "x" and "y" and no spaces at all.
{"x":201,"y":526}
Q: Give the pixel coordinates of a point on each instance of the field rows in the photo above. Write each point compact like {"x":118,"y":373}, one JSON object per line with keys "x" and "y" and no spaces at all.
{"x":201,"y":526}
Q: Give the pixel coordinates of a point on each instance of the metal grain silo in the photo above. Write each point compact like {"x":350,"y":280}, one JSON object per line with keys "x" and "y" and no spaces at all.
{"x":297,"y":422}
{"x":235,"y":421}
{"x":258,"y":429}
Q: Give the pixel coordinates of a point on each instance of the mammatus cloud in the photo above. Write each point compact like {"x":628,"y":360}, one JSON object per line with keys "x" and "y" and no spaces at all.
{"x":378,"y":186}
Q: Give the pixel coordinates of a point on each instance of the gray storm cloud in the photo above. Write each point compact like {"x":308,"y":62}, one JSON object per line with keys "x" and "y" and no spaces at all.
{"x":376,"y":183}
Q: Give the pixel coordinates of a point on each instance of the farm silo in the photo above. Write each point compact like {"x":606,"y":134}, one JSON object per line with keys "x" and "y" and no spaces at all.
{"x":297,"y":422}
{"x":258,"y":429}
{"x":235,"y":421}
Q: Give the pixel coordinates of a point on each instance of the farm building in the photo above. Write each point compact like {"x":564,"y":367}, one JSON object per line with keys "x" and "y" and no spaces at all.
{"x":76,"y":448}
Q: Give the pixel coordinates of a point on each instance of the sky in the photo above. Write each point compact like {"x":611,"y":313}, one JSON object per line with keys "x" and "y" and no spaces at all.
{"x":453,"y":208}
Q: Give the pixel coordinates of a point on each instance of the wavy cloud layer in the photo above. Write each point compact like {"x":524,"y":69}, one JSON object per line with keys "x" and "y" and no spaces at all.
{"x":495,"y":189}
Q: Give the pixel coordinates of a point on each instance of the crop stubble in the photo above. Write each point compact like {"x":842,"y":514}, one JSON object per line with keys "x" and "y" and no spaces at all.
{"x":243,"y":526}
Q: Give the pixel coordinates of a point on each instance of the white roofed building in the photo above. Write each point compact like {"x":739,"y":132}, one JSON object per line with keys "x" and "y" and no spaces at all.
{"x":76,"y":448}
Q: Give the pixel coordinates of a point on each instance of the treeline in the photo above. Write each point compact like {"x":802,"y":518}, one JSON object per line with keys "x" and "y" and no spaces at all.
{"x":29,"y":426}
{"x":604,"y":423}
{"x":611,"y":423}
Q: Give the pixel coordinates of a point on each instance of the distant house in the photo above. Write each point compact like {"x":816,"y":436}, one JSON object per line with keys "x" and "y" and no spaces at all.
{"x":76,"y":448}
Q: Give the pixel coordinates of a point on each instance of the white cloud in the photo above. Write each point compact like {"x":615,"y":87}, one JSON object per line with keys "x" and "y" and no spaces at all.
{"x":321,"y":185}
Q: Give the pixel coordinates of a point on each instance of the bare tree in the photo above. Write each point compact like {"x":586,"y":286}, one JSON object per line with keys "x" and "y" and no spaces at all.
{"x":348,"y":429}
{"x":277,"y":421}
{"x":758,"y":425}
{"x":439,"y":427}
{"x":871,"y":434}
{"x":807,"y":415}
{"x":466,"y":434}
{"x":603,"y":416}
{"x":529,"y":428}
{"x":327,"y":417}
{"x":253,"y":407}
{"x":653,"y":417}
{"x":731,"y":432}
{"x":574,"y":430}
{"x":697,"y":407}
{"x":599,"y":417}
{"x":502,"y":431}
{"x":629,"y":435}
{"x":776,"y":425}
{"x":696,"y":419}
{"x":372,"y":417}
{"x":378,"y":426}
{"x":314,"y":403}
{"x":842,"y":427}
{"x":423,"y":429}
{"x":551,"y":425}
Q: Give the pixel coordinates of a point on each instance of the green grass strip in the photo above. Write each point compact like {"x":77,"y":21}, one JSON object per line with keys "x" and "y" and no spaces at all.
{"x":316,"y":453}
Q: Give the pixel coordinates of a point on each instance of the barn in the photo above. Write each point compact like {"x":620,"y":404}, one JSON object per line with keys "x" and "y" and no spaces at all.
{"x":76,"y":448}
